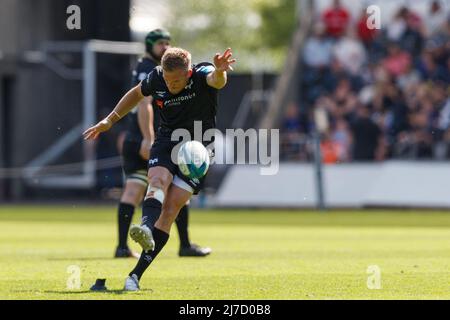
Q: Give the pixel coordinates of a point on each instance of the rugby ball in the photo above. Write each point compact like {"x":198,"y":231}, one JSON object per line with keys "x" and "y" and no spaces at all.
{"x":193,"y":160}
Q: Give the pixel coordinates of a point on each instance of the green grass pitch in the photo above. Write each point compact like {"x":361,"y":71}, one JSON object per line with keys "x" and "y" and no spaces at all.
{"x":256,"y":255}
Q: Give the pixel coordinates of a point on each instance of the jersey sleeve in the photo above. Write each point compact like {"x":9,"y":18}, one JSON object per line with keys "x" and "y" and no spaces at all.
{"x":147,"y":86}
{"x":203,"y":69}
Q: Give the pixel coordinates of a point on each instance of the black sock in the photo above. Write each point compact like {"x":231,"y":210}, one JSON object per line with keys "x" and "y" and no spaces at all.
{"x":151,"y":210}
{"x":125,"y":215}
{"x":147,"y":258}
{"x":182,"y":225}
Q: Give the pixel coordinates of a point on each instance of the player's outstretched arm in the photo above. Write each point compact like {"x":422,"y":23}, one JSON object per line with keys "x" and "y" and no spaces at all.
{"x":218,"y":78}
{"x":145,"y":121}
{"x":125,"y":105}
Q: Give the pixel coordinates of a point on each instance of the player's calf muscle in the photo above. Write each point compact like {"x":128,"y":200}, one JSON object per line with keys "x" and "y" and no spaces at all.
{"x":176,"y":199}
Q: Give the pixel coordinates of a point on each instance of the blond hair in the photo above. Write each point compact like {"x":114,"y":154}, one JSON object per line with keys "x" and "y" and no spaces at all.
{"x":176,"y":58}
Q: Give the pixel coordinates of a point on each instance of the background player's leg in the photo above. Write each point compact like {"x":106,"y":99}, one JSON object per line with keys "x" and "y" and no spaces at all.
{"x":182,"y":222}
{"x":176,"y":198}
{"x":188,"y":249}
{"x":131,"y":198}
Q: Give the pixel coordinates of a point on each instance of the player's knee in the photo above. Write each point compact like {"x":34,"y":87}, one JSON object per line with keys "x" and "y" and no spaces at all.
{"x":156,"y":182}
{"x":156,"y":193}
{"x":130,"y":192}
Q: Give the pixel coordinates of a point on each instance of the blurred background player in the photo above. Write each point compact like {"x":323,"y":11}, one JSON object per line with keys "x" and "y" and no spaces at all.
{"x":139,"y":137}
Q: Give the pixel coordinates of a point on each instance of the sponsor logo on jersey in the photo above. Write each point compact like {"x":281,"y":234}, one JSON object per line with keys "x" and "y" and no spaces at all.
{"x":178,"y":100}
{"x":189,"y":86}
{"x":160,"y":103}
{"x":153,"y":161}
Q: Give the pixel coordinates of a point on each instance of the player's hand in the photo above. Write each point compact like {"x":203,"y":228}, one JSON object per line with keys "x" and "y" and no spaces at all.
{"x":93,"y":132}
{"x":144,"y":151}
{"x":223,"y":62}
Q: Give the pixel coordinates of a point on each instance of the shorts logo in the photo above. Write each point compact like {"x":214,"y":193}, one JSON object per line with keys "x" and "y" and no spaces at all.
{"x":160,"y":103}
{"x":195,"y":181}
{"x":153,"y":161}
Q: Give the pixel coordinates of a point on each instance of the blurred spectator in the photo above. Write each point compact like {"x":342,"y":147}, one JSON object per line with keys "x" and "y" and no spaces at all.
{"x":336,"y":20}
{"x":436,"y":18}
{"x":386,"y":93}
{"x":293,"y":140}
{"x":329,"y":149}
{"x":422,"y":140}
{"x":291,"y":121}
{"x":335,"y":73}
{"x":342,"y":137}
{"x":438,"y":47}
{"x":397,"y":27}
{"x":365,"y":34}
{"x":389,"y":102}
{"x":367,"y":136}
{"x":444,"y":120}
{"x":318,"y":49}
{"x":350,"y":53}
{"x":430,"y":70}
{"x":412,"y":39}
{"x":397,"y":61}
{"x":409,"y":78}
{"x":343,"y":100}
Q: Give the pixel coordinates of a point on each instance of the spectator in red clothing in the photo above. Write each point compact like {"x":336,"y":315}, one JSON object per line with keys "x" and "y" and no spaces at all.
{"x":336,"y":20}
{"x":397,"y":62}
{"x":365,"y":34}
{"x":329,"y":149}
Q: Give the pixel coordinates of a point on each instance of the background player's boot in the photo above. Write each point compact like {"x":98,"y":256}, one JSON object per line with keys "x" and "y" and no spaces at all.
{"x":131,"y":283}
{"x":126,"y":253}
{"x":194,"y":251}
{"x":142,"y":235}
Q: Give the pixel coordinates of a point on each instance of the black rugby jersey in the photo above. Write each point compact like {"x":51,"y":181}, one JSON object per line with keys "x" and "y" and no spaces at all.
{"x":196,"y":102}
{"x":143,"y":68}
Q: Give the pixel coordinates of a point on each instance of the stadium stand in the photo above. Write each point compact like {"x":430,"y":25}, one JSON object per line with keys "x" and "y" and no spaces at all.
{"x":386,"y":92}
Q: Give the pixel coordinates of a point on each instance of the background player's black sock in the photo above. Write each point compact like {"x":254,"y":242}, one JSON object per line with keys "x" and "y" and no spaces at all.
{"x":125,"y":215}
{"x":182,"y":225}
{"x":147,"y":258}
{"x":151,"y":210}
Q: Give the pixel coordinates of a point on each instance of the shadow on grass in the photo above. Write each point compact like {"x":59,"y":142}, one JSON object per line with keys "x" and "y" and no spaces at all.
{"x":81,"y":259}
{"x":75,"y":292}
{"x":115,"y":292}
